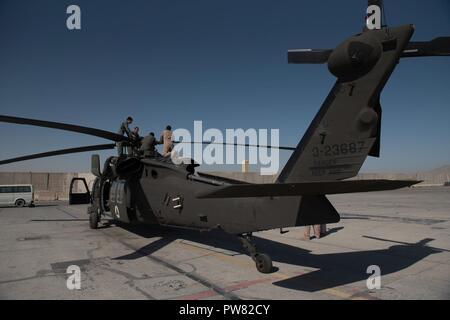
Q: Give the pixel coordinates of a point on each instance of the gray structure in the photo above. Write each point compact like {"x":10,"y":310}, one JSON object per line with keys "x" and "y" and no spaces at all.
{"x":50,"y":186}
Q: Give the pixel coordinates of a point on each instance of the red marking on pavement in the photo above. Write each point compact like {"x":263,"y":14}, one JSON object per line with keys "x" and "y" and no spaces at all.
{"x":198,"y":295}
{"x":246,"y":283}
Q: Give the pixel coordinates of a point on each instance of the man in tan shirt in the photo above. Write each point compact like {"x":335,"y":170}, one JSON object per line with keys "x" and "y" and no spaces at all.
{"x":166,"y":141}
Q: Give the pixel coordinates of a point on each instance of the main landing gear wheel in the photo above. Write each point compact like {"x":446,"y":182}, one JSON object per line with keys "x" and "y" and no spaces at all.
{"x":262,"y":260}
{"x":94,"y":218}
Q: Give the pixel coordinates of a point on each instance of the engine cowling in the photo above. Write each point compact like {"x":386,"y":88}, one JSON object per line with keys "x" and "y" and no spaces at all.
{"x":128,"y":167}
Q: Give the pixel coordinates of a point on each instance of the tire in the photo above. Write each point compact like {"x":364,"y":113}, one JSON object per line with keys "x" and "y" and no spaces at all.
{"x":263,"y":263}
{"x":20,"y":203}
{"x":93,"y":220}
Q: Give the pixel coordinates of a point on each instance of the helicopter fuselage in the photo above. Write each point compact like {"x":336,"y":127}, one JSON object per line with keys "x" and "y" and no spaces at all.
{"x":167,"y":194}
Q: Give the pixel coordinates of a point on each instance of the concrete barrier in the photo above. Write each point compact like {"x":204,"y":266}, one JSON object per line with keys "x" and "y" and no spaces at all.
{"x":47,"y":186}
{"x":55,"y":186}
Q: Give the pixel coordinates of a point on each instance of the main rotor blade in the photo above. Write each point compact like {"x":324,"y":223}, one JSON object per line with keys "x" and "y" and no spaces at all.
{"x":422,"y":242}
{"x":60,"y":152}
{"x":64,"y":126}
{"x":238,"y":144}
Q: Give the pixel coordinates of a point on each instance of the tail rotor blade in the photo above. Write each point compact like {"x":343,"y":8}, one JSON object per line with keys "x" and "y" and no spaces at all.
{"x":436,"y":47}
{"x":440,"y":46}
{"x":313,"y":56}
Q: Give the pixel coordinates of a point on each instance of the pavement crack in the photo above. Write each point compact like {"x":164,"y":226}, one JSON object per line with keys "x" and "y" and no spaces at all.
{"x":191,"y":275}
{"x":39,"y":274}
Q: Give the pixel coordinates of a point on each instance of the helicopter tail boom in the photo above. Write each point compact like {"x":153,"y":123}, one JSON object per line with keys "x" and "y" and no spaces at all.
{"x":318,"y":188}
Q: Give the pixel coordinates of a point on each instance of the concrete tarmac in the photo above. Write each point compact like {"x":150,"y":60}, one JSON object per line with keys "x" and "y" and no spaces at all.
{"x":405,"y":233}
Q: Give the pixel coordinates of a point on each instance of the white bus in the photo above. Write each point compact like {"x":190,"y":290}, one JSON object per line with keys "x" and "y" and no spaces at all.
{"x":16,"y":194}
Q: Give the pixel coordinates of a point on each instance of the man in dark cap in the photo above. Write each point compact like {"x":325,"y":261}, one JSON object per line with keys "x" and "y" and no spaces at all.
{"x":148,"y":146}
{"x":124,"y":129}
{"x":136,"y":141}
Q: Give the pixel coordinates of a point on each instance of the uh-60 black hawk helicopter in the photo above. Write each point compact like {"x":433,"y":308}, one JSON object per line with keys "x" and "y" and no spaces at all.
{"x":343,"y":133}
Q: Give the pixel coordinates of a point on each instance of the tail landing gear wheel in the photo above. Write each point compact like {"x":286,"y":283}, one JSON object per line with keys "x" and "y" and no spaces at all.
{"x":94,"y":219}
{"x":262,"y":260}
{"x":263,"y":263}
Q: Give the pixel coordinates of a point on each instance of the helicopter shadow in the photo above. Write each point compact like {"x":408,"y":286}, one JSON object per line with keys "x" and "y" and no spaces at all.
{"x":333,"y":269}
{"x":337,"y":269}
{"x":28,"y":206}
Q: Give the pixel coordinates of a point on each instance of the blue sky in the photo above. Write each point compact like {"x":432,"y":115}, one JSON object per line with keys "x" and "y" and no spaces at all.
{"x":222,"y":62}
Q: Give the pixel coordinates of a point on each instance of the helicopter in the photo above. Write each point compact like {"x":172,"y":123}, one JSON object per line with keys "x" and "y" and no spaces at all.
{"x":345,"y":131}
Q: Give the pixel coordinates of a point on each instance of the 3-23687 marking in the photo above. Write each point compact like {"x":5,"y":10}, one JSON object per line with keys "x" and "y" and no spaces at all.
{"x":338,"y":149}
